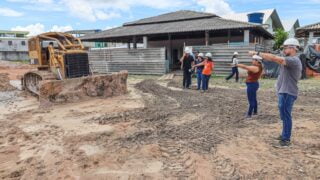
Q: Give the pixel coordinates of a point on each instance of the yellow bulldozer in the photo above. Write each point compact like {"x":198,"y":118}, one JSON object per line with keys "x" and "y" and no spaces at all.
{"x":63,"y":73}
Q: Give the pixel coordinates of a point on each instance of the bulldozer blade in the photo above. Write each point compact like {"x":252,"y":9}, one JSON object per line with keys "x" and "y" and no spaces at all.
{"x":77,"y":89}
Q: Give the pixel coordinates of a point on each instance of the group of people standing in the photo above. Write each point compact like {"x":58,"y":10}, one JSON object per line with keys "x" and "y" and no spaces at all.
{"x":201,"y":64}
{"x":287,"y":83}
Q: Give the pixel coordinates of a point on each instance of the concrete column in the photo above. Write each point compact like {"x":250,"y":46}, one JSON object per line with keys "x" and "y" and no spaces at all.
{"x":311,"y":35}
{"x":246,"y":38}
{"x":207,"y":38}
{"x":145,"y":42}
{"x":134,"y":40}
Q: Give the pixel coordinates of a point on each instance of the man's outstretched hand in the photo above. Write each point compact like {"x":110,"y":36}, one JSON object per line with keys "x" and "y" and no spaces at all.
{"x":252,"y":53}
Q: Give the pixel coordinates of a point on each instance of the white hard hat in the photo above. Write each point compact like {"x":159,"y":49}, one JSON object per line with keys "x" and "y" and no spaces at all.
{"x":200,"y":54}
{"x":187,"y":50}
{"x":291,"y":42}
{"x":209,"y":55}
{"x":235,"y":53}
{"x":258,"y":58}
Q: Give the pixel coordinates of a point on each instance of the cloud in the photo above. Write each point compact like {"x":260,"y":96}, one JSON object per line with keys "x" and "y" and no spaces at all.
{"x":93,"y":10}
{"x":110,"y":27}
{"x":219,"y":7}
{"x":34,"y":29}
{"x":38,"y":28}
{"x":57,"y":28}
{"x":32,"y":1}
{"x":9,"y":12}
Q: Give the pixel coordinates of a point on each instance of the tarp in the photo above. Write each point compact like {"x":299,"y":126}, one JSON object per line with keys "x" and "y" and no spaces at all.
{"x":271,"y":69}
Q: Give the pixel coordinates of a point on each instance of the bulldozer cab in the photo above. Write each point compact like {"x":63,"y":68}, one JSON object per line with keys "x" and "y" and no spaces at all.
{"x":60,"y":53}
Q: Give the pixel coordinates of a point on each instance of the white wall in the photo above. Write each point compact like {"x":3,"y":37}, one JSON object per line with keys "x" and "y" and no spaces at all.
{"x":16,"y":44}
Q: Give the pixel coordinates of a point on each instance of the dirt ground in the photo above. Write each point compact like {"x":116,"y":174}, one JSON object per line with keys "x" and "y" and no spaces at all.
{"x":159,"y":131}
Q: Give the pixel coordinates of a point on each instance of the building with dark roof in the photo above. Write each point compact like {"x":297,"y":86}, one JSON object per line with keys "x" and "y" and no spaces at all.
{"x":183,"y":28}
{"x":308,"y":33}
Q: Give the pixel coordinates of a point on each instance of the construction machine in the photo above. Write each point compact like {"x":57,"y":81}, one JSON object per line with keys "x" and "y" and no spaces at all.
{"x":63,"y":67}
{"x":57,"y":56}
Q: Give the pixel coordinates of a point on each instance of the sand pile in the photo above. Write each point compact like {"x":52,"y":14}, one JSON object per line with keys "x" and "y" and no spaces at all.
{"x":5,"y":82}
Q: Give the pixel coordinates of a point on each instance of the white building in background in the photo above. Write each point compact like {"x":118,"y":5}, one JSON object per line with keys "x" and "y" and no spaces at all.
{"x":271,"y":19}
{"x":13,"y":45}
{"x":291,"y":26}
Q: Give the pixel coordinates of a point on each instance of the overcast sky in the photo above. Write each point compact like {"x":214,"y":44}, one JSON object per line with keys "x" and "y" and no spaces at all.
{"x":38,"y":16}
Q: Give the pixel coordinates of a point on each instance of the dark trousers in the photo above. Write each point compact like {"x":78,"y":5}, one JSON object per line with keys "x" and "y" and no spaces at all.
{"x":285,"y":103}
{"x":252,"y":89}
{"x":234,"y":72}
{"x":186,"y":78}
{"x":205,"y":82}
{"x":199,"y":79}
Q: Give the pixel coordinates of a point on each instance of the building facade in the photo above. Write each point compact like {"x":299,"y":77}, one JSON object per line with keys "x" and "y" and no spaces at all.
{"x":13,"y":45}
{"x":308,"y":34}
{"x":174,"y":31}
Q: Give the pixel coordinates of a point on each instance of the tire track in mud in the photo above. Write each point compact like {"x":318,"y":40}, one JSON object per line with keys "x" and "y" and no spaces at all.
{"x":215,"y":117}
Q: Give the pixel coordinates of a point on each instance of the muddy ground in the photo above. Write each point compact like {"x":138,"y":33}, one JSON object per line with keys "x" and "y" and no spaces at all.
{"x":159,"y":131}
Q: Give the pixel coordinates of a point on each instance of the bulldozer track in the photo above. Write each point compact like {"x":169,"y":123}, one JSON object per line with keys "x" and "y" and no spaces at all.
{"x":31,"y":80}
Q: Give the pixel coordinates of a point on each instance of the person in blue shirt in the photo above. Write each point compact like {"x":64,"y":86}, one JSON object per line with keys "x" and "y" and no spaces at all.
{"x":199,"y":60}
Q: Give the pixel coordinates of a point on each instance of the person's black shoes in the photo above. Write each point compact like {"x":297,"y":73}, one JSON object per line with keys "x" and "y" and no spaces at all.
{"x":284,"y":143}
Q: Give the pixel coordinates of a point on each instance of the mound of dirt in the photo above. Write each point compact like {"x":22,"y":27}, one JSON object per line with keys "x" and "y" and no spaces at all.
{"x":5,"y":83}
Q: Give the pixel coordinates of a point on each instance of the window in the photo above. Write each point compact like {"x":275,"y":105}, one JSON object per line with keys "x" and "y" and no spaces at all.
{"x":10,"y":43}
{"x":23,"y":43}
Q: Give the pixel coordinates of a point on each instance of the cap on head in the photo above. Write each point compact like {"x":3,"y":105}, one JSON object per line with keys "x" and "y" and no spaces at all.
{"x":209,"y":55}
{"x":200,"y":54}
{"x":292,"y":42}
{"x":235,"y":53}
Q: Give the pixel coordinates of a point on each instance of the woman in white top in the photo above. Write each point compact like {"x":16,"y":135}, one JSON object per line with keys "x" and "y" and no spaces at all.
{"x":234,"y":64}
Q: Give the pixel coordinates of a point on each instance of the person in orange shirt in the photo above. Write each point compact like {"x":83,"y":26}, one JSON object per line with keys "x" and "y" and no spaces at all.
{"x":207,"y":71}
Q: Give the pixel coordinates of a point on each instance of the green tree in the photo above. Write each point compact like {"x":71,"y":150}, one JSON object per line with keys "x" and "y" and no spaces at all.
{"x":280,"y":36}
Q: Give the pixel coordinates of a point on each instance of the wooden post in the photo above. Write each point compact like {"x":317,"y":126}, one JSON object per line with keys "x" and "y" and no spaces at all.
{"x":134,"y":40}
{"x":169,"y":51}
{"x":128,"y":45}
{"x":229,"y":36}
{"x":207,"y":38}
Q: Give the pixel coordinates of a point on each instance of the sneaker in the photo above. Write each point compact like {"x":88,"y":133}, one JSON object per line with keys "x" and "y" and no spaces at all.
{"x":255,"y":114}
{"x":248,"y":116}
{"x":285,"y":143}
{"x":282,"y":144}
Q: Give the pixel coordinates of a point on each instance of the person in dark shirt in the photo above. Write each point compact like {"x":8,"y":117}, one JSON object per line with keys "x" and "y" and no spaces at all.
{"x":187,"y":61}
